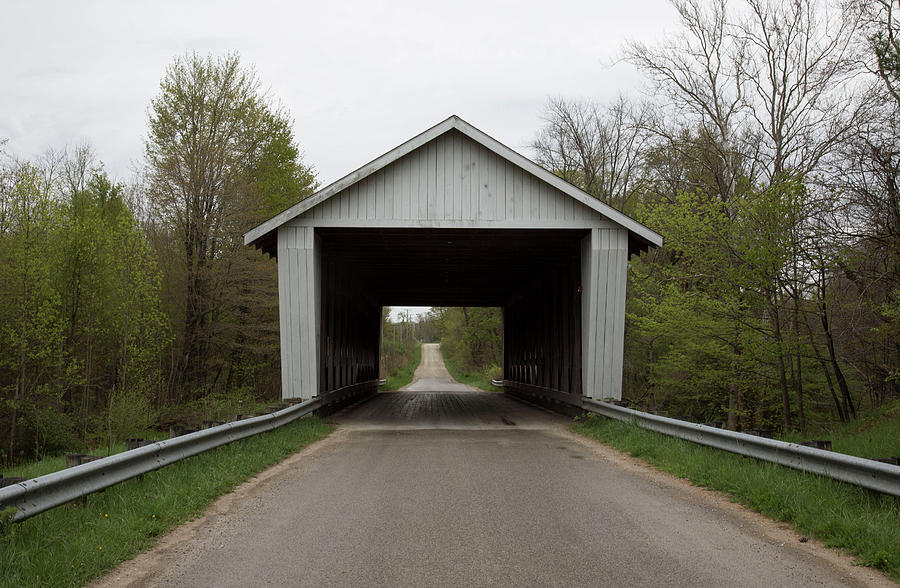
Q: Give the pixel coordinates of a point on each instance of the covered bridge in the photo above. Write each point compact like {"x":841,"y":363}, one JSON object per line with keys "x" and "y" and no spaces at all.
{"x":453,"y":217}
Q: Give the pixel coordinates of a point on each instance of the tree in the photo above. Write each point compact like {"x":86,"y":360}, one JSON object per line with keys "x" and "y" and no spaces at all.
{"x":471,"y":337}
{"x":220,"y":157}
{"x":32,"y":329}
{"x":699,"y":73}
{"x":881,"y":22}
{"x":759,"y":98}
{"x":596,"y":147}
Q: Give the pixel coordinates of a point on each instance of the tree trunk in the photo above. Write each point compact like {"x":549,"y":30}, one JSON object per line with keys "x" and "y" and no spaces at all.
{"x":734,"y":393}
{"x":782,"y":374}
{"x":651,"y":387}
{"x":837,"y":402}
{"x":798,"y":375}
{"x":846,"y":399}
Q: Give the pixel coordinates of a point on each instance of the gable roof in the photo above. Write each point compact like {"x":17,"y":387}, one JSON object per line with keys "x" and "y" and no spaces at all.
{"x":263,"y":235}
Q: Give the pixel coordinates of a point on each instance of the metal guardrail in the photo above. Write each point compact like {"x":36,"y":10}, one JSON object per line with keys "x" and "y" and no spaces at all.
{"x":45,"y":492}
{"x":867,"y":473}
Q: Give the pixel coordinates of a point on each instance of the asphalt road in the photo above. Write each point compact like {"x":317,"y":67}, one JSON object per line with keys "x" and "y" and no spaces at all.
{"x":443,"y":485}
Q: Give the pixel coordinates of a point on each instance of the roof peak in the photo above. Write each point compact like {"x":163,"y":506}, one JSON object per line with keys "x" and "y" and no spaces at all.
{"x":456,"y":122}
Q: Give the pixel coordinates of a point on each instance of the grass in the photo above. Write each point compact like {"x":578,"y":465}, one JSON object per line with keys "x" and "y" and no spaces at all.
{"x":875,"y":434}
{"x":404,"y":376}
{"x":864,"y":523}
{"x":54,"y":463}
{"x":477,"y":379}
{"x":73,"y":544}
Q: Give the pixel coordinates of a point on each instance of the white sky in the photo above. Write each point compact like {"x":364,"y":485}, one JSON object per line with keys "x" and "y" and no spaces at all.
{"x":358,"y":78}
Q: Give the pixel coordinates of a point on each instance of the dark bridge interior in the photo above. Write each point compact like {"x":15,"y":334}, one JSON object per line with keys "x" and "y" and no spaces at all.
{"x":533,"y":274}
{"x":449,"y":267}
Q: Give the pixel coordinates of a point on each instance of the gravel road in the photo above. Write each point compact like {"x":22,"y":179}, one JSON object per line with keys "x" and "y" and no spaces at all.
{"x":443,"y":485}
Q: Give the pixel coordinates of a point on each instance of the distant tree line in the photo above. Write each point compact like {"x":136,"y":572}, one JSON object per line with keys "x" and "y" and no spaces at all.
{"x":768,"y":158}
{"x":119,"y":301}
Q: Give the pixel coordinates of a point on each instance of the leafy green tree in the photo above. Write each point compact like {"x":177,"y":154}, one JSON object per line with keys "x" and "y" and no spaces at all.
{"x":109,"y":283}
{"x":221,"y":158}
{"x":32,"y":326}
{"x":471,"y":337}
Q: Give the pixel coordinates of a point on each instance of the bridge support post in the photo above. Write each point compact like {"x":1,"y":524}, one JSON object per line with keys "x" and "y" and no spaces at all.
{"x":299,"y":260}
{"x":604,"y":263}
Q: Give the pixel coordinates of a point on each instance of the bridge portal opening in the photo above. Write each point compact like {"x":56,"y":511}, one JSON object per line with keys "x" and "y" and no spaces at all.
{"x":532,"y":275}
{"x":469,"y":338}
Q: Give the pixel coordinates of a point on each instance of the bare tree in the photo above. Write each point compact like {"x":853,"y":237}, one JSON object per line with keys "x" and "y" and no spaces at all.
{"x":881,"y":34}
{"x":698,"y":75}
{"x":597,"y":147}
{"x":797,"y":64}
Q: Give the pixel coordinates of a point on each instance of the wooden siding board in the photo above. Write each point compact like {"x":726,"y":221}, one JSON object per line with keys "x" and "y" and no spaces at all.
{"x":405,"y":189}
{"x":296,"y":356}
{"x":470,"y":205}
{"x":619,"y":314}
{"x":303,"y":330}
{"x":430,"y":195}
{"x":588,"y":315}
{"x":533,"y":193}
{"x":293,"y":311}
{"x":595,"y":328}
{"x":509,"y":175}
{"x":345,"y":204}
{"x":610,"y":280}
{"x":391,"y":197}
{"x":447,"y":176}
{"x":365,"y":193}
{"x":457,"y":177}
{"x":311,"y":284}
{"x":284,"y":309}
{"x":352,"y":195}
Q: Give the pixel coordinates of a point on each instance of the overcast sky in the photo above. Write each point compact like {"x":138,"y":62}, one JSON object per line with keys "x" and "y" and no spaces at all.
{"x":358,"y":78}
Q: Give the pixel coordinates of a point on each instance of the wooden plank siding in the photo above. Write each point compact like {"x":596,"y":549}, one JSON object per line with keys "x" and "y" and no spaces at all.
{"x":451,"y":182}
{"x":298,"y":272}
{"x":604,"y":262}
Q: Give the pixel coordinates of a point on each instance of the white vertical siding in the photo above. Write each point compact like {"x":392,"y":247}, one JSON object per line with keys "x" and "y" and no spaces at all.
{"x":298,"y":308}
{"x":451,"y":178}
{"x":604,"y":257}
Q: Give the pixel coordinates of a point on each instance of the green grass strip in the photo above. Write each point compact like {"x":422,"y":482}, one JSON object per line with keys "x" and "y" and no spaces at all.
{"x":875,"y":434}
{"x":864,"y":523}
{"x":477,"y":379}
{"x":71,"y":545}
{"x":404,"y":376}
